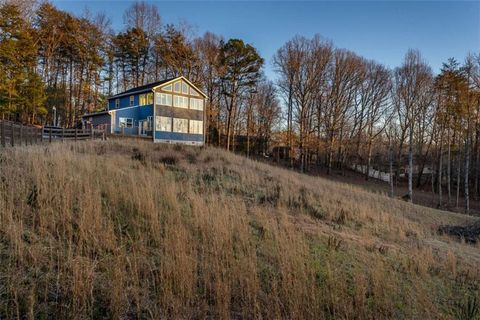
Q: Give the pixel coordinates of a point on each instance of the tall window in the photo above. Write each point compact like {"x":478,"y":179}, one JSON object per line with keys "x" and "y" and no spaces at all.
{"x":117,"y":103}
{"x":150,"y":98}
{"x":184,"y":88}
{"x":176,"y":86}
{"x":163,"y":123}
{"x":164,"y":99}
{"x":132,"y":101}
{"x":196,"y":104}
{"x":180,"y":102}
{"x":125,"y":122}
{"x":180,"y":125}
{"x":196,"y":127}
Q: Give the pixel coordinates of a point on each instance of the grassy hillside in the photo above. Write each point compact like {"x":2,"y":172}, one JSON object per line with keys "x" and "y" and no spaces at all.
{"x":128,"y":229}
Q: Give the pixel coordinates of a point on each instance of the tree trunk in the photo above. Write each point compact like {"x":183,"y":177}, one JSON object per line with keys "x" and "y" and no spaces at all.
{"x":458,"y":178}
{"x":440,"y":167}
{"x":391,"y":166}
{"x":467,"y":167}
{"x":410,"y":165}
{"x":449,"y":169}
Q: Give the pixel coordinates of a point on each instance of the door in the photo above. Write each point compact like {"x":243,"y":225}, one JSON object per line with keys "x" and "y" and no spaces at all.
{"x":142,"y":127}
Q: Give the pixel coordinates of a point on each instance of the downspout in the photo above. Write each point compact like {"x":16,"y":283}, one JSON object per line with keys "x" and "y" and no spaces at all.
{"x":153,"y":119}
{"x":203,"y":120}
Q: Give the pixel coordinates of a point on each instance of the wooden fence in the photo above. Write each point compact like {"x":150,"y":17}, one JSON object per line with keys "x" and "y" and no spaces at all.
{"x":13,"y":134}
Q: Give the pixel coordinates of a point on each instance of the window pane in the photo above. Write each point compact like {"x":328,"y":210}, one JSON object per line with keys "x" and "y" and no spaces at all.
{"x":176,"y":86}
{"x":163,"y":123}
{"x":180,"y":125}
{"x":131,"y":100}
{"x":180,"y":102}
{"x":167,"y":99}
{"x":142,"y":100}
{"x":193,"y":92}
{"x":196,"y":104}
{"x":150,"y":98}
{"x":167,"y":88}
{"x":125,"y":122}
{"x":196,"y":127}
{"x":184,"y":88}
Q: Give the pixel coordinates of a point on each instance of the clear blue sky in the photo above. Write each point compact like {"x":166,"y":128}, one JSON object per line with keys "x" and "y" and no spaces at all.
{"x":377,"y":30}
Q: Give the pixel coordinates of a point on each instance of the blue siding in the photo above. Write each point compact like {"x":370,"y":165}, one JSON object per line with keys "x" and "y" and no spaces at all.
{"x":100,"y":119}
{"x":176,"y":136}
{"x":124,"y":102}
{"x":136,"y":113}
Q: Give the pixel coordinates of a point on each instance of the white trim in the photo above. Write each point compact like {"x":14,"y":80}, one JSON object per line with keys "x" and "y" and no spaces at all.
{"x":137,"y":106}
{"x":181,"y":78}
{"x":154,"y":124}
{"x":195,"y":143}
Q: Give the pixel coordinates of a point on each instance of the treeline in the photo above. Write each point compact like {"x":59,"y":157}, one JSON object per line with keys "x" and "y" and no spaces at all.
{"x":344,"y":111}
{"x":340,"y":110}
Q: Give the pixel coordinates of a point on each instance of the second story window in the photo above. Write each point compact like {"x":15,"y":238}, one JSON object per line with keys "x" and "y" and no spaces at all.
{"x":164,"y":99}
{"x":180,"y":102}
{"x":117,"y":103}
{"x":196,"y":104}
{"x":145,"y":99}
{"x":132,"y":101}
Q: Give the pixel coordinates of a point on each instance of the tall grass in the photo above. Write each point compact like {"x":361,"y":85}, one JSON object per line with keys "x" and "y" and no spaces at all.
{"x":127,"y":229}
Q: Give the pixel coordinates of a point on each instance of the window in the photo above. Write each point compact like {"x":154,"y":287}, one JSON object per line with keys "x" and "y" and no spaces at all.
{"x":117,"y":103}
{"x":150,"y":98}
{"x":196,"y":104}
{"x":163,"y":123}
{"x":164,"y":99}
{"x":184,"y":88}
{"x":193,"y":92}
{"x":125,"y":122}
{"x":180,"y":102}
{"x":149,"y":123}
{"x":143,"y":99}
{"x":196,"y":126}
{"x":176,"y":86}
{"x":180,"y":125}
{"x":132,"y":99}
{"x":167,"y":88}
{"x":146,"y":99}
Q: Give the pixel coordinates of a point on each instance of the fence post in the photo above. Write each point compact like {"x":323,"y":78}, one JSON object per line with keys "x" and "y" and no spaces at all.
{"x":21,"y":134}
{"x":50,"y":135}
{"x":12,"y":133}
{"x":91,"y":129}
{"x":75,"y":134}
{"x":3,"y":133}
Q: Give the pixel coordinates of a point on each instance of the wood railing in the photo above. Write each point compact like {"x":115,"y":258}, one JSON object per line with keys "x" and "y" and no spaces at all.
{"x":15,"y":134}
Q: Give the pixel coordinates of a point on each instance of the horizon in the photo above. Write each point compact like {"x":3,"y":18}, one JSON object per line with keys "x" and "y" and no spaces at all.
{"x":380,"y":31}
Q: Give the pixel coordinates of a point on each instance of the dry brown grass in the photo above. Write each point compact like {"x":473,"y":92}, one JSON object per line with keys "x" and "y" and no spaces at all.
{"x":128,"y":229}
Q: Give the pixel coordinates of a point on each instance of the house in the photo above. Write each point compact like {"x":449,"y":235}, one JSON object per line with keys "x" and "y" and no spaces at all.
{"x":171,"y":111}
